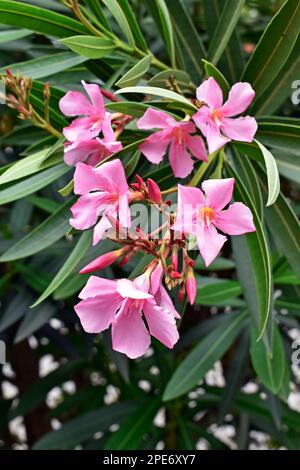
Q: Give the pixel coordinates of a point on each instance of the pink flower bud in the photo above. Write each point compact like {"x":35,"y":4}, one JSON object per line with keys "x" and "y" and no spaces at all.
{"x":174,"y":258}
{"x":175,"y":275}
{"x":103,"y":261}
{"x":154,"y":191}
{"x":181,"y":293}
{"x":191,"y":287}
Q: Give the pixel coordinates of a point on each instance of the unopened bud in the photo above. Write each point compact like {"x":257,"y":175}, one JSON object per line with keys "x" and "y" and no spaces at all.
{"x":191,"y":286}
{"x":175,"y":275}
{"x":181,"y":293}
{"x":174,"y":258}
{"x":154,"y":193}
{"x":103,"y":261}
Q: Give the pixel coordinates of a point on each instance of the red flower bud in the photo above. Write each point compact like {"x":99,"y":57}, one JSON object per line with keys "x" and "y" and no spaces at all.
{"x":174,"y":258}
{"x":154,"y":193}
{"x":181,"y":293}
{"x":103,"y":261}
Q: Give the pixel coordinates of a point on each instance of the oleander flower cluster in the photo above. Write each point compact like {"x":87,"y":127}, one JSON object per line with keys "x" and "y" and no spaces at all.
{"x":137,"y":308}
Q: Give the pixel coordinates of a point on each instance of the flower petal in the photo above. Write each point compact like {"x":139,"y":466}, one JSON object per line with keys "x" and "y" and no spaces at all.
{"x":210,"y":93}
{"x":218,"y":192}
{"x":239,"y":98}
{"x":124,"y":211}
{"x":96,"y":97}
{"x":201,"y":118}
{"x":243,"y":128}
{"x":164,"y":300}
{"x":107,"y":129}
{"x":97,"y":313}
{"x":180,"y":160}
{"x":82,"y":128}
{"x":85,"y":210}
{"x":155,"y":146}
{"x":87,"y":178}
{"x":98,"y":285}
{"x":196,"y":145}
{"x":75,"y":103}
{"x":128,"y":289}
{"x":215,"y":140}
{"x":154,"y":119}
{"x":190,"y":200}
{"x":210,"y":243}
{"x":236,"y":220}
{"x":129,"y":333}
{"x":161,"y":324}
{"x":83,"y":151}
{"x":114,"y":174}
{"x":99,"y":229}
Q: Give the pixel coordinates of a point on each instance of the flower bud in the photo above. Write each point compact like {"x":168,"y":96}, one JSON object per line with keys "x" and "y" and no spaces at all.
{"x":103,"y":261}
{"x":154,"y":193}
{"x":174,"y":257}
{"x":191,"y":286}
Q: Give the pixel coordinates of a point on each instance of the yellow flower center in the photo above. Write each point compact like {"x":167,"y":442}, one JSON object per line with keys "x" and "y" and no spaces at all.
{"x":206,"y":215}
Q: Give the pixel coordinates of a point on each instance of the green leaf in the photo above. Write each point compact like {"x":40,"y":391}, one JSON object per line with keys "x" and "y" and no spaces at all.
{"x":76,"y":255}
{"x":212,"y":71}
{"x":219,"y":264}
{"x":161,"y":79}
{"x":247,"y":174}
{"x":198,"y":362}
{"x":41,"y":237}
{"x":91,"y":47}
{"x":29,"y":165}
{"x":116,"y":10}
{"x":232,"y":60}
{"x":132,"y":163}
{"x":46,"y":66}
{"x":32,"y":184}
{"x":234,"y":377}
{"x":134,"y":25}
{"x":277,"y":133}
{"x":132,"y":431}
{"x":213,"y":291}
{"x":275,"y":96}
{"x":272,"y":174}
{"x":188,"y":39}
{"x":16,"y":309}
{"x":274,"y":48}
{"x":288,"y":166}
{"x":97,"y":10}
{"x":147,"y":90}
{"x":13,"y":35}
{"x":270,"y":367}
{"x":253,"y":262}
{"x":34,"y":320}
{"x":133,"y":75}
{"x":84,"y":427}
{"x":224,"y":29}
{"x":39,"y":19}
{"x":167,"y":29}
{"x":284,"y":227}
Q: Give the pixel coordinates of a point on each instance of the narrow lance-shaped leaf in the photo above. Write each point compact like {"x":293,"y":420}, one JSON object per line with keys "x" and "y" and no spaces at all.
{"x":147,"y":90}
{"x":90,"y":46}
{"x":32,"y":184}
{"x":224,"y":29}
{"x":193,"y":368}
{"x":274,"y":47}
{"x":39,"y":19}
{"x":76,"y":255}
{"x":253,"y":260}
{"x":41,"y":237}
{"x":116,"y":10}
{"x":133,"y":76}
{"x":167,"y":29}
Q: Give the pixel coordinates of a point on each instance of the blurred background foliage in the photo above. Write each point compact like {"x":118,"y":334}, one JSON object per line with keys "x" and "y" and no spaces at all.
{"x":63,"y":388}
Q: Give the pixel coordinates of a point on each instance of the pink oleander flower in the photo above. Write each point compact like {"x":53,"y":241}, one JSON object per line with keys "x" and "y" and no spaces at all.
{"x":103,"y":190}
{"x":214,"y":118}
{"x":92,"y":151}
{"x":92,"y":111}
{"x":201,"y":215}
{"x":126,"y":306}
{"x":177,"y":135}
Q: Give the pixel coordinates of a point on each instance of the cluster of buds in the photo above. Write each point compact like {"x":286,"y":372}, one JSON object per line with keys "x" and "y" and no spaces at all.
{"x":18,"y":99}
{"x":149,"y":191}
